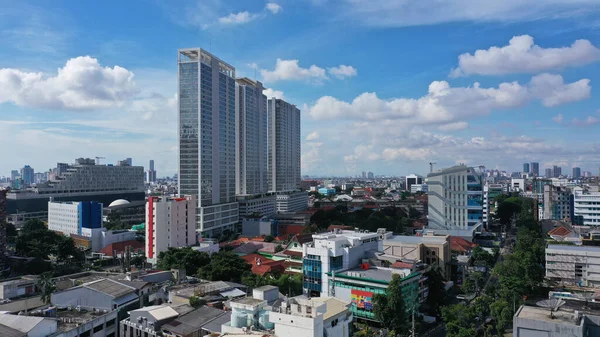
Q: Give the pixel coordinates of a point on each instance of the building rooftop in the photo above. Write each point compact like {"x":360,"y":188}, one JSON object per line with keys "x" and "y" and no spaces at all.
{"x":109,"y":287}
{"x":266,"y":288}
{"x":248,"y":301}
{"x":334,"y":306}
{"x":159,"y":312}
{"x":379,"y":275}
{"x":194,"y":321}
{"x":341,"y":234}
{"x":6,"y":331}
{"x":425,"y":239}
{"x":20,"y":323}
{"x":71,"y":319}
{"x":543,"y":314}
{"x":590,"y":249}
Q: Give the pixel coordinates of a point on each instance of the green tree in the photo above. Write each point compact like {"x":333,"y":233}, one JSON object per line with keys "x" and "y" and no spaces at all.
{"x":197,"y":302}
{"x":390,"y":308}
{"x":33,"y":225}
{"x":413,"y":213}
{"x":437,"y":296}
{"x":224,"y":266}
{"x":503,"y":313}
{"x":507,"y":209}
{"x":269,"y":238}
{"x":183,"y":258}
{"x":278,"y":248}
{"x":46,"y":286}
{"x":459,"y":320}
{"x":482,"y":258}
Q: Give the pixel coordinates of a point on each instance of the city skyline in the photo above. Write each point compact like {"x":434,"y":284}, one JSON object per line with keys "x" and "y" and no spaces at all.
{"x":388,"y":94}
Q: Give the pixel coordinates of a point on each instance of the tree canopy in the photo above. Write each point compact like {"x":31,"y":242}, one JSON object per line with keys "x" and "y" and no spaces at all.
{"x":183,"y":258}
{"x":390,"y":308}
{"x":224,"y":266}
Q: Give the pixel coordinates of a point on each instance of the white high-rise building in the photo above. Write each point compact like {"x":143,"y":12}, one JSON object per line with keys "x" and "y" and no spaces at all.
{"x":170,"y":222}
{"x":207,"y":138}
{"x":284,"y":146}
{"x":455,"y":198}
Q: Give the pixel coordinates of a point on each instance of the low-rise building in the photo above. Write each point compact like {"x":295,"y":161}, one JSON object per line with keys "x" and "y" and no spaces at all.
{"x":146,"y":321}
{"x":429,"y":248}
{"x":536,"y":321}
{"x":575,"y":265}
{"x":17,"y":288}
{"x":341,"y":249}
{"x":257,"y":205}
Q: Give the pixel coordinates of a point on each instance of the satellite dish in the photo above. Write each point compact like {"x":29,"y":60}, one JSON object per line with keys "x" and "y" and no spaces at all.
{"x":553,"y":304}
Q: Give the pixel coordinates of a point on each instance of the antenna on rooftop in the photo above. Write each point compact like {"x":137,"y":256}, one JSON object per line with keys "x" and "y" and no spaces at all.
{"x":553,"y":304}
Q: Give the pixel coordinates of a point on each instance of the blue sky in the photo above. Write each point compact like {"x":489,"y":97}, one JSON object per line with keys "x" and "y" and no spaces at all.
{"x":384,"y":85}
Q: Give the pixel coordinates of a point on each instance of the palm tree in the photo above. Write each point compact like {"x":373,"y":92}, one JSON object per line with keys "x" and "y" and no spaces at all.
{"x":46,"y":286}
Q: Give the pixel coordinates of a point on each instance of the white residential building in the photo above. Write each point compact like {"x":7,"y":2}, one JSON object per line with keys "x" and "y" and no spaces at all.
{"x":575,"y":265}
{"x":341,"y":249}
{"x":284,"y":145}
{"x":455,"y":198}
{"x":74,"y":217}
{"x":289,"y":202}
{"x":207,"y":138}
{"x":170,"y":222}
{"x":586,"y":208}
{"x":518,"y":185}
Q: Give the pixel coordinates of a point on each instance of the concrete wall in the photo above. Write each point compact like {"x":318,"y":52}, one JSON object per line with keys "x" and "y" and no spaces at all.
{"x":296,"y":326}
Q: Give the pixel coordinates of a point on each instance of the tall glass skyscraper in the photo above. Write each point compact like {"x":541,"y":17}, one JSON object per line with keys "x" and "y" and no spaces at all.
{"x":207,"y":138}
{"x":251,"y":138}
{"x":284,"y":146}
{"x":535,"y":169}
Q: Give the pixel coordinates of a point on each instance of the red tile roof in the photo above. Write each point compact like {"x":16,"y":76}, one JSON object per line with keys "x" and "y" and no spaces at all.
{"x":291,"y":229}
{"x":559,"y":231}
{"x":120,"y":247}
{"x":458,"y":244}
{"x":266,"y":265}
{"x":292,"y":253}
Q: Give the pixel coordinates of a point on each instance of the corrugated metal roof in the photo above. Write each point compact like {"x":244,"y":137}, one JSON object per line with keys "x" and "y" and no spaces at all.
{"x":160,"y":312}
{"x":193,"y":321}
{"x":110,"y":287}
{"x":21,"y":323}
{"x":6,"y":331}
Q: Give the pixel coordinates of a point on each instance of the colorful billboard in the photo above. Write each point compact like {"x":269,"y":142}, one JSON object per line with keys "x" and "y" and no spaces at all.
{"x":362,"y":299}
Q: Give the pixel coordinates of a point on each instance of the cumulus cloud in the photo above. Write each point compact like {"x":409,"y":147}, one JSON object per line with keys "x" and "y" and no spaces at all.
{"x":311,"y":156}
{"x":521,"y":55}
{"x":342,"y":71}
{"x":312,"y":136}
{"x":237,"y":18}
{"x":553,"y":91}
{"x":290,"y":70}
{"x":362,"y":153}
{"x":407,"y":153}
{"x":82,"y":84}
{"x":270,"y":93}
{"x":589,"y":121}
{"x":456,"y":126}
{"x":273,"y":7}
{"x":445,"y":104}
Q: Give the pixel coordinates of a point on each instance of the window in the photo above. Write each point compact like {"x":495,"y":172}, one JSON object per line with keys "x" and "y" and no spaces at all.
{"x":98,"y":328}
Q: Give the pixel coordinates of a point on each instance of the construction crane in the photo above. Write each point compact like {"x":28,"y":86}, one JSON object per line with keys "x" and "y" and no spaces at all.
{"x":431,"y":167}
{"x":98,"y":160}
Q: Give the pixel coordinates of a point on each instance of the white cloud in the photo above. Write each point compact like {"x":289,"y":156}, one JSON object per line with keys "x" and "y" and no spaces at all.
{"x":445,"y":104}
{"x":270,"y":93}
{"x":342,"y":71}
{"x":237,"y":18}
{"x":553,"y":91}
{"x":82,"y":84}
{"x":273,"y":7}
{"x":362,"y":153}
{"x":290,"y":70}
{"x":312,"y":136}
{"x":394,"y":13}
{"x":407,"y":153}
{"x":311,"y":156}
{"x":589,"y":121}
{"x":456,"y":126}
{"x":558,"y":118}
{"x":521,"y":55}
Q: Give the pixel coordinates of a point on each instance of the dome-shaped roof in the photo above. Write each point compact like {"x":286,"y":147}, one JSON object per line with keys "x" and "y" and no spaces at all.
{"x":119,"y":202}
